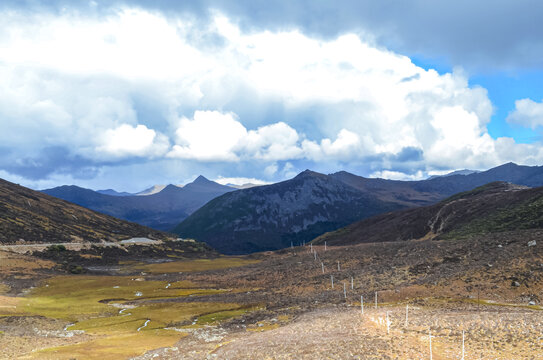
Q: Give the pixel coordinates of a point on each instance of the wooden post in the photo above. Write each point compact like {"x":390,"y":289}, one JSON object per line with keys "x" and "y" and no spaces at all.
{"x":406,"y":314}
{"x":430,"y":337}
{"x":322,"y":265}
{"x":376,"y":299}
{"x":352,"y":283}
{"x":362,"y":304}
{"x":332,"y":279}
{"x":311,"y":247}
{"x":315,"y":254}
{"x":344,"y":291}
{"x":462,"y":345}
{"x":325,"y":246}
{"x":338,"y":267}
{"x":388,"y":325}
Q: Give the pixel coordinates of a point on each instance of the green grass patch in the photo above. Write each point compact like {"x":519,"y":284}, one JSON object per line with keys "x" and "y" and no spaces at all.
{"x":523,"y":216}
{"x":77,"y":298}
{"x":113,"y":347}
{"x":160,"y":315}
{"x":194,"y":265}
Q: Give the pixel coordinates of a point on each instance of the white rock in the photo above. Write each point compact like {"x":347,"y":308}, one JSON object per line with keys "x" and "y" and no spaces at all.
{"x":532,"y":243}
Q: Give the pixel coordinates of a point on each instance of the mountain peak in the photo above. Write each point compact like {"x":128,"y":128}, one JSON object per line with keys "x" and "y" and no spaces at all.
{"x":201,"y":180}
{"x":308,"y":173}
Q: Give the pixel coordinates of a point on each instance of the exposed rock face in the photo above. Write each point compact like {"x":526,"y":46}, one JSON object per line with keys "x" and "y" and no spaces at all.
{"x":271,"y":217}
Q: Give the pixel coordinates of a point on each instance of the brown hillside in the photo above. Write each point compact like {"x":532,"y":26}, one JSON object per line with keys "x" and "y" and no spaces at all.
{"x":31,"y":216}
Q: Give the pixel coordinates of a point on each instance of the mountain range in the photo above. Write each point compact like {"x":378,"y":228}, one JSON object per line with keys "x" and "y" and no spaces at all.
{"x":162,"y":210}
{"x":297,"y":210}
{"x":274,"y":216}
{"x":32,"y":216}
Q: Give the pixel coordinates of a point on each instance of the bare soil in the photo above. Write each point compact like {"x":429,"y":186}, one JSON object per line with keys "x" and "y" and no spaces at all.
{"x":488,"y":286}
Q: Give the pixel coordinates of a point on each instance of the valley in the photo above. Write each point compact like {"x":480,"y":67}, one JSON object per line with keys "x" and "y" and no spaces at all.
{"x":468,"y":267}
{"x":281,"y":304}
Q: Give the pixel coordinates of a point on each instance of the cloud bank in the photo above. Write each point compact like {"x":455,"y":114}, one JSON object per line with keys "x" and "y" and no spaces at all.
{"x":135,"y":88}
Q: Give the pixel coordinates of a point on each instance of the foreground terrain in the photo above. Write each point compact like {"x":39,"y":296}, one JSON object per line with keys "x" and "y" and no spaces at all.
{"x":282,"y":305}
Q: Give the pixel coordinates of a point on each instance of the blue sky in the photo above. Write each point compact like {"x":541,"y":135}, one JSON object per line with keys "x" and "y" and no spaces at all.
{"x":127,"y":94}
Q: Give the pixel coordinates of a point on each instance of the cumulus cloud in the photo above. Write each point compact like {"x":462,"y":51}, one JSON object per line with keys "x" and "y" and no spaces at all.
{"x":209,"y":136}
{"x":527,"y":113}
{"x":271,"y":142}
{"x":129,"y":83}
{"x":126,"y":140}
{"x":217,"y":136}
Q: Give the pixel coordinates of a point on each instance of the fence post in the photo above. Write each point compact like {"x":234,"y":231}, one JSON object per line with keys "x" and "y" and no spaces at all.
{"x":332,"y":279}
{"x":388,"y":325}
{"x":376,"y":299}
{"x":430,"y":337}
{"x":462,"y":344}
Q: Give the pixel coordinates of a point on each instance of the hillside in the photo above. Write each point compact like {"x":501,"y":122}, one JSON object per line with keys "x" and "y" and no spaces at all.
{"x":36,"y":217}
{"x":495,"y":207}
{"x":162,"y":210}
{"x":272,"y":216}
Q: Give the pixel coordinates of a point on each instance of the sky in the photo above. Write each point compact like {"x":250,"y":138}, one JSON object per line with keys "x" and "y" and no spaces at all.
{"x":128,"y":94}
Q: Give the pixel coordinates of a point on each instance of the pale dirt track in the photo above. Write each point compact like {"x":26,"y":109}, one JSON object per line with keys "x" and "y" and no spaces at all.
{"x":342,"y":333}
{"x":75,"y":246}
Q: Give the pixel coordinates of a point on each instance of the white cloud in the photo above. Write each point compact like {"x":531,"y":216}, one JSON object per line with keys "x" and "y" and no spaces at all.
{"x":216,"y":136}
{"x":75,"y":81}
{"x":527,"y":113}
{"x":272,"y":142}
{"x":346,"y":146}
{"x":397,"y":175}
{"x":271,"y":169}
{"x":209,"y":136}
{"x":126,"y":140}
{"x":240,"y":181}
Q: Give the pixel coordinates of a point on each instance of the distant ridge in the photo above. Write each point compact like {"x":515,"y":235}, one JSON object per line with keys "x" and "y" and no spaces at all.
{"x":161,"y":210}
{"x":113,"y":192}
{"x":152,"y":190}
{"x":456,"y":172}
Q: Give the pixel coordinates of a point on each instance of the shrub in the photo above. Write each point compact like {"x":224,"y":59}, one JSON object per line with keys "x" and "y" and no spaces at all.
{"x":57,"y":248}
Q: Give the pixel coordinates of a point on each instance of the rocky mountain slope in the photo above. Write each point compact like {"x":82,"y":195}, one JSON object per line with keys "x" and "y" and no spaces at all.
{"x":271,"y":217}
{"x":162,"y":210}
{"x":33,"y":216}
{"x":495,"y":207}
